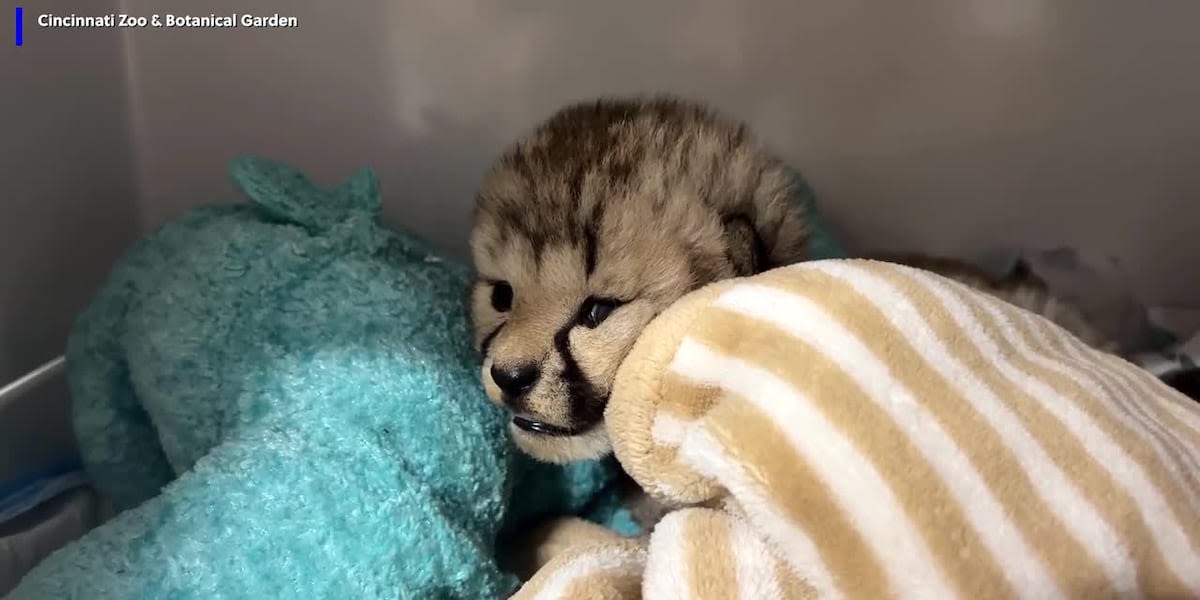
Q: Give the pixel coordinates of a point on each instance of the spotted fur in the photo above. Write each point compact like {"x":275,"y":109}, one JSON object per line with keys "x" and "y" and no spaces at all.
{"x":612,"y":208}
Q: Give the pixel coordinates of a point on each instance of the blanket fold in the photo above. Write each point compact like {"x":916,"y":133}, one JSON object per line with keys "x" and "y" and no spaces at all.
{"x":856,"y":429}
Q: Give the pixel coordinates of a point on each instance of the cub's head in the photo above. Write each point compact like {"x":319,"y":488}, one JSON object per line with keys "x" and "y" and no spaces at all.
{"x":593,"y":224}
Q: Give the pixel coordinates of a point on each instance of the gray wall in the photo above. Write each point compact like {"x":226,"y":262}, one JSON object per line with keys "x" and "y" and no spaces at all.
{"x":943,"y":125}
{"x":67,"y":205}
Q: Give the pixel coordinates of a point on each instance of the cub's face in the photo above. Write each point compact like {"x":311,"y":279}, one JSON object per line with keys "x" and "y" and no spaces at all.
{"x":554,"y":322}
{"x":585,"y":231}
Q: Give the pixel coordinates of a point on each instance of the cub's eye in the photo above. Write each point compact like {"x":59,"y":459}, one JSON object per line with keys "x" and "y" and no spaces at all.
{"x":595,"y":310}
{"x":502,"y":296}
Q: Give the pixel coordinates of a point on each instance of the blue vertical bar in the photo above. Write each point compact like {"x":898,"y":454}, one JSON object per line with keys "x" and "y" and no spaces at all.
{"x":20,"y":25}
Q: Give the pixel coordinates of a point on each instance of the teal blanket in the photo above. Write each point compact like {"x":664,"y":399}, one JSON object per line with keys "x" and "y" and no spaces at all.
{"x":280,"y":397}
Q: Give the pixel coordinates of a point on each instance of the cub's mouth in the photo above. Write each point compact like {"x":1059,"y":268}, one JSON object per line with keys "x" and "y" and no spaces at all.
{"x":575,"y":432}
{"x":544,"y":428}
{"x":557,"y":444}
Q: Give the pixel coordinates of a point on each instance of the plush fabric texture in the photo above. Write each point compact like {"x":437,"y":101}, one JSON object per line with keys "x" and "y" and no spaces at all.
{"x":281,"y":397}
{"x":855,"y":429}
{"x":823,"y":243}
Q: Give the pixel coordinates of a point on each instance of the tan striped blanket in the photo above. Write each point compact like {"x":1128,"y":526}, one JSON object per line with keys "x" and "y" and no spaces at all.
{"x":855,"y":429}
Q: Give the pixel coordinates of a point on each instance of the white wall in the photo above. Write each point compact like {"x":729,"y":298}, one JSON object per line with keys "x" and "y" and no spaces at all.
{"x":945,"y":125}
{"x":67,"y":205}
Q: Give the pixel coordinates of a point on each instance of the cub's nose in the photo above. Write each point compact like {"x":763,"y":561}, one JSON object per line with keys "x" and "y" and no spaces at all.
{"x":515,"y":381}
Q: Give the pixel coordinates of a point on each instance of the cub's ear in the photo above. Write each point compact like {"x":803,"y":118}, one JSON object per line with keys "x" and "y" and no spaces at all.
{"x":744,"y":247}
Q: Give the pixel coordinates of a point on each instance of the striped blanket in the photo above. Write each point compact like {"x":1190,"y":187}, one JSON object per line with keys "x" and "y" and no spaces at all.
{"x":855,"y":429}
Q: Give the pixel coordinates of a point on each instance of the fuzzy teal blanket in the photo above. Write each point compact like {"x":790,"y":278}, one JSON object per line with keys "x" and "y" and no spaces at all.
{"x":280,"y":396}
